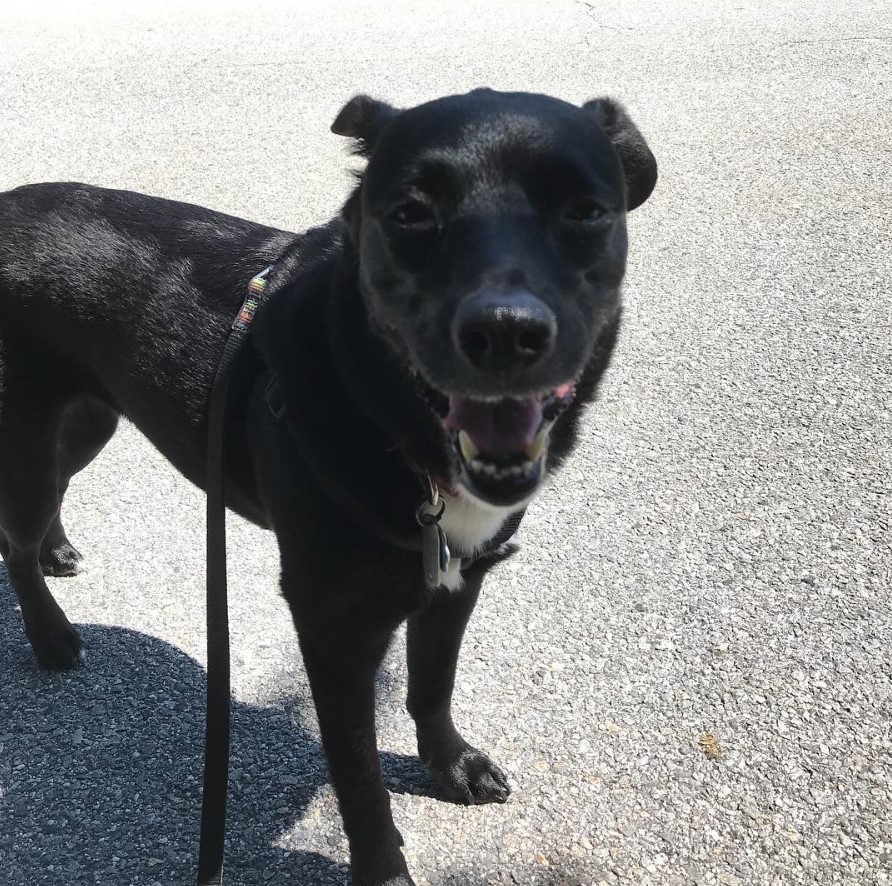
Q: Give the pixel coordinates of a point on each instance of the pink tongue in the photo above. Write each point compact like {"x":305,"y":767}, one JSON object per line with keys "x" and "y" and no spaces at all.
{"x":502,"y":428}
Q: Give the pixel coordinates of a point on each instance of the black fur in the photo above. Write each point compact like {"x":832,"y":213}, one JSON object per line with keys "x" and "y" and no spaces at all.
{"x":116,"y":303}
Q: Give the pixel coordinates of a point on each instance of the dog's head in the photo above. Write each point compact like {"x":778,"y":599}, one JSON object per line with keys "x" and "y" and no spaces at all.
{"x":490,"y":229}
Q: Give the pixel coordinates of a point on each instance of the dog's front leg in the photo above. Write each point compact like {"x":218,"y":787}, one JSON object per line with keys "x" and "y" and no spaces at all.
{"x":433,"y":643}
{"x":342,"y":678}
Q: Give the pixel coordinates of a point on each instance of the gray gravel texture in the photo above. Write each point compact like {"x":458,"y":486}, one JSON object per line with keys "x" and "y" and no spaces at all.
{"x":686,"y":672}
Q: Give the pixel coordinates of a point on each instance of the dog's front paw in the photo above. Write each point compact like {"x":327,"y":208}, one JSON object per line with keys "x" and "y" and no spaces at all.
{"x":58,"y":646}
{"x":62,"y":560}
{"x":469,"y":776}
{"x":371,"y":879}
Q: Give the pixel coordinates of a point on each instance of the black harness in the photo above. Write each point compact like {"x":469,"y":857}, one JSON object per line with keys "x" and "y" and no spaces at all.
{"x":430,"y":541}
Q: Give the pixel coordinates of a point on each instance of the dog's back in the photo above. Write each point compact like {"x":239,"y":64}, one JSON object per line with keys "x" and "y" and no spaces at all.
{"x":125,"y":296}
{"x":80,"y":265}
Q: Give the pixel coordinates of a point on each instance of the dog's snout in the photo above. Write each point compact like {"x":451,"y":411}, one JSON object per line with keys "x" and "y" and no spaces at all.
{"x":498,"y":333}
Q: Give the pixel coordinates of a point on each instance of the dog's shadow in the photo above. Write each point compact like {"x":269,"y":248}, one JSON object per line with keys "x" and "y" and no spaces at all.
{"x":100,"y":770}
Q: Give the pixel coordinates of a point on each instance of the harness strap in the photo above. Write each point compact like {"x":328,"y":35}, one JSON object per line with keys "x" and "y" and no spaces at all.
{"x":216,"y":748}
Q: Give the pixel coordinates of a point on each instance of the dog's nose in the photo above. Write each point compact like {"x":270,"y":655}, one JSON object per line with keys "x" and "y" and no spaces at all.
{"x":500,"y":332}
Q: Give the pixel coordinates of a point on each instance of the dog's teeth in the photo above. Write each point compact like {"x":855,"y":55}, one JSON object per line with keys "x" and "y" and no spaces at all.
{"x":502,"y":472}
{"x":468,"y":449}
{"x":537,"y":447}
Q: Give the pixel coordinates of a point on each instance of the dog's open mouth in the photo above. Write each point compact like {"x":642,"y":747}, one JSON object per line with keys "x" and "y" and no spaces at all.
{"x":502,"y":443}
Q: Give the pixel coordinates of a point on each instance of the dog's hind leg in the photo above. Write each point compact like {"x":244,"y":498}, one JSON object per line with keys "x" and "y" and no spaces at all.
{"x":433,"y":642}
{"x":29,"y":504}
{"x":32,"y":415}
{"x":87,"y":425}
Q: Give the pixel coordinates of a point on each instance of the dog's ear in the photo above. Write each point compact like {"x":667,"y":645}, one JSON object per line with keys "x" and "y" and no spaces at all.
{"x":639,"y":164}
{"x":363,"y":118}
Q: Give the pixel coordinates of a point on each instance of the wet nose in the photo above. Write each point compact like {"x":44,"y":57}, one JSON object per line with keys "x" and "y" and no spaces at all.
{"x":502,"y":332}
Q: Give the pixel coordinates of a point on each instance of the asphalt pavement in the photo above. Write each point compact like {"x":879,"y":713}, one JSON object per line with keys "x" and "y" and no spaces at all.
{"x":686,"y":671}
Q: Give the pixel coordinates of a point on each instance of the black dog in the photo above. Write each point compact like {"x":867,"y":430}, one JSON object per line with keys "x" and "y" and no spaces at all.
{"x":466,"y":297}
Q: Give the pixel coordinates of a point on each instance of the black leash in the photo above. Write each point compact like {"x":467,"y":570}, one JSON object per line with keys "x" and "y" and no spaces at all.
{"x":216,"y":748}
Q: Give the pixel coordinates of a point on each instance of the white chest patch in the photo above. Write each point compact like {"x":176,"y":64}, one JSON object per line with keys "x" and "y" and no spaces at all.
{"x":468,"y":525}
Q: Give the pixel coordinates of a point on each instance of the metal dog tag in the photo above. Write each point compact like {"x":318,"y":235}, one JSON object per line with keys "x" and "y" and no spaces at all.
{"x":435,"y":554}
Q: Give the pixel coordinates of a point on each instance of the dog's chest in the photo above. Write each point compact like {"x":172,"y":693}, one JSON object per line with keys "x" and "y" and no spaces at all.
{"x":468,"y":526}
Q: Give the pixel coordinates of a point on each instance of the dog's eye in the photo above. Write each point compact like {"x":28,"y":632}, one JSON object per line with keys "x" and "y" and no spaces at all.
{"x":586,"y":212}
{"x":414,"y":215}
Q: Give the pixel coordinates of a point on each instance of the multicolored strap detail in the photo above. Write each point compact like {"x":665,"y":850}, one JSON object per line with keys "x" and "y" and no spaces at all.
{"x":256,"y":288}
